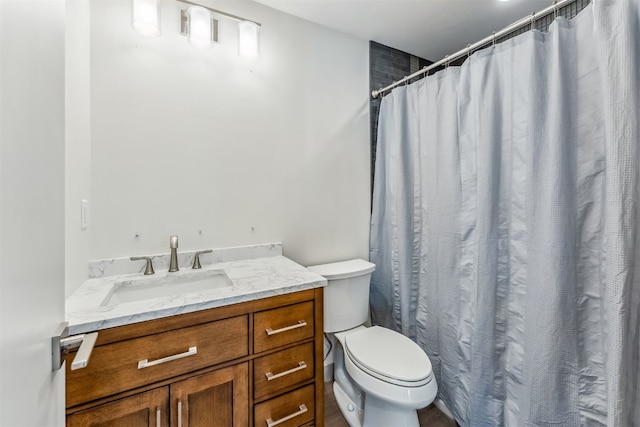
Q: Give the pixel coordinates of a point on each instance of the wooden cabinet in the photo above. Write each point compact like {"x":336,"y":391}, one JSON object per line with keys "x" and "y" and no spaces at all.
{"x":287,"y":368}
{"x":254,"y":363}
{"x":214,"y":399}
{"x":133,"y":363}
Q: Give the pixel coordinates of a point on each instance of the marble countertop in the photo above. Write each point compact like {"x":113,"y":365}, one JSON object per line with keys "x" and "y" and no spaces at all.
{"x":251,"y":279}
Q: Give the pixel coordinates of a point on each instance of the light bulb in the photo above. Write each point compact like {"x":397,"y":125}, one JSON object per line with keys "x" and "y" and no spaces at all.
{"x":199,"y":27}
{"x":145,"y":17}
{"x":248,"y":39}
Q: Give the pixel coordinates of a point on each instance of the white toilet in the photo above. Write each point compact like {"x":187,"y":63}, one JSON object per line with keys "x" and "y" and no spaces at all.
{"x":380,"y":376}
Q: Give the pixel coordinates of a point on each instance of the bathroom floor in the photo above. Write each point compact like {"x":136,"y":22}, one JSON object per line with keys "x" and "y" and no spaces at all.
{"x":429,"y":416}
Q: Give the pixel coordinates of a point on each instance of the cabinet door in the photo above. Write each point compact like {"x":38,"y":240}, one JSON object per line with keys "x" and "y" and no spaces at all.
{"x":216,"y":399}
{"x":149,"y":409}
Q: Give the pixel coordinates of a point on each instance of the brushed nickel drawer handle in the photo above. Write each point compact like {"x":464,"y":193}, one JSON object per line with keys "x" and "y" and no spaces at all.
{"x":301,"y":365}
{"x":300,"y":324}
{"x":158,"y":415}
{"x":145,"y":363}
{"x":271,"y":423}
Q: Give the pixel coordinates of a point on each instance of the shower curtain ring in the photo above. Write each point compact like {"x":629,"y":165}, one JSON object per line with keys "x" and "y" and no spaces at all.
{"x":468,"y":51}
{"x":493,"y":42}
{"x":446,"y":61}
{"x":533,"y":20}
{"x":555,"y":10}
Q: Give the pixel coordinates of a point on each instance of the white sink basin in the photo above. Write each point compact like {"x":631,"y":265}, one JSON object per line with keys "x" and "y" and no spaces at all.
{"x":166,"y":285}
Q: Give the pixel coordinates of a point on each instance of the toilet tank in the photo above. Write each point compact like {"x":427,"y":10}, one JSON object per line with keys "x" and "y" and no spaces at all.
{"x":346,"y":297}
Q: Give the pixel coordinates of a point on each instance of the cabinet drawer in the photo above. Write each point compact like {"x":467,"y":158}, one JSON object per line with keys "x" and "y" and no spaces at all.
{"x":280,"y":326}
{"x":283,"y":369}
{"x":121,"y":366}
{"x":289,"y":410}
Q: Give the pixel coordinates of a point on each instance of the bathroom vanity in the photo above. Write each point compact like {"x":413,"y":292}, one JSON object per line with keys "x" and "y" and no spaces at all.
{"x":247,"y":354}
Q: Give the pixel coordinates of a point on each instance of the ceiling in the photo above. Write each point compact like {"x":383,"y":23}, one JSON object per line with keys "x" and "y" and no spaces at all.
{"x":429,"y":29}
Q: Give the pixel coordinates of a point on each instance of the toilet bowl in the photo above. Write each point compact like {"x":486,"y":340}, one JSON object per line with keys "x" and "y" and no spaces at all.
{"x":392,"y":371}
{"x":381,"y":377}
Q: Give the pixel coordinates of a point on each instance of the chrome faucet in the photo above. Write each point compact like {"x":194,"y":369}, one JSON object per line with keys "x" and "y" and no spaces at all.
{"x":173,"y":263}
{"x":149,"y":267}
{"x":196,"y":258}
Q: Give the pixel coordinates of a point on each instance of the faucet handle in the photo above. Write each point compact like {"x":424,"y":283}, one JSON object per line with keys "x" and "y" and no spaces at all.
{"x":196,"y":259}
{"x":149,"y":267}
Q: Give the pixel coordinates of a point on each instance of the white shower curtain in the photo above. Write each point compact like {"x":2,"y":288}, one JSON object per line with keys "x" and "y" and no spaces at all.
{"x":506,"y":224}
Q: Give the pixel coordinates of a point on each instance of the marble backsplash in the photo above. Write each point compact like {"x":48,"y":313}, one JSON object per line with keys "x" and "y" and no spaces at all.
{"x":117,"y":266}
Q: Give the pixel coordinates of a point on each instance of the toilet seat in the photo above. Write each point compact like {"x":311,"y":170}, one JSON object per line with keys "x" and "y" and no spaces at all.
{"x":388,"y":356}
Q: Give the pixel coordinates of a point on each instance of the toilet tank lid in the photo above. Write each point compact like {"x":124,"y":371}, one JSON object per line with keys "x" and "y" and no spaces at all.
{"x":343,"y":269}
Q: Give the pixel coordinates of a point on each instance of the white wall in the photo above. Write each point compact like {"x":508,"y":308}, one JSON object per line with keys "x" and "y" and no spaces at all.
{"x":77,"y":138}
{"x":184,"y":140}
{"x":31,"y":210}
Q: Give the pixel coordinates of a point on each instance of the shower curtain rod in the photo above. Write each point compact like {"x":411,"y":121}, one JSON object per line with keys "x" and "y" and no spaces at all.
{"x":470,"y":48}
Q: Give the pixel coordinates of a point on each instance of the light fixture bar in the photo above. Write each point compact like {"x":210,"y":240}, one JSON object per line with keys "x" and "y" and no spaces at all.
{"x":219,"y":12}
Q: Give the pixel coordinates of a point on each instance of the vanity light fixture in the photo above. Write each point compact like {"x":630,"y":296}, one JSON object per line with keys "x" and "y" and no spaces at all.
{"x":145,"y":17}
{"x":193,"y":26}
{"x":198,"y":23}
